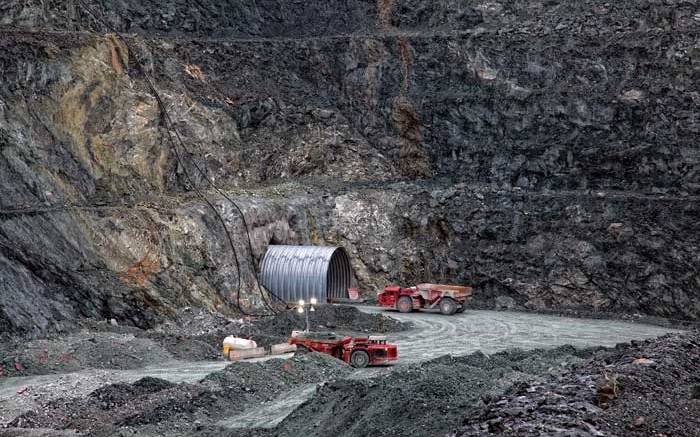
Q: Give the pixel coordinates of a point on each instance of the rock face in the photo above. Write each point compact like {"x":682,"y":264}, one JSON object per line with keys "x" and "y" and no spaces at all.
{"x":545,"y":153}
{"x":633,"y":390}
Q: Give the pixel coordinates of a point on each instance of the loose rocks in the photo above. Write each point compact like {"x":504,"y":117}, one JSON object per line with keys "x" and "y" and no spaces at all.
{"x":332,"y":317}
{"x":420,"y":400}
{"x":611,"y":394}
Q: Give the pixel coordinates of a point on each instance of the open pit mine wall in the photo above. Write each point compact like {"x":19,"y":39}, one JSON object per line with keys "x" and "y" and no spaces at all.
{"x":548,"y":151}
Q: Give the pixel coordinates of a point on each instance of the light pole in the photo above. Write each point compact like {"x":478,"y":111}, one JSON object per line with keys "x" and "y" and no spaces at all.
{"x":303,"y":309}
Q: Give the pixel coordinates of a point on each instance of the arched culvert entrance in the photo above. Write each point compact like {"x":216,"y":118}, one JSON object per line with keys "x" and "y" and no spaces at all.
{"x":303,"y":272}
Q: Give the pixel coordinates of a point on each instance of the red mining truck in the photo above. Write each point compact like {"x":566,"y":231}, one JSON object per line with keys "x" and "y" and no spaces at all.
{"x":358,"y":352}
{"x":449,"y":299}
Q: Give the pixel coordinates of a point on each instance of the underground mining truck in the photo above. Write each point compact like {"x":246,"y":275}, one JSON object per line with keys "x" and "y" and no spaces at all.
{"x":358,"y":352}
{"x":449,"y":299}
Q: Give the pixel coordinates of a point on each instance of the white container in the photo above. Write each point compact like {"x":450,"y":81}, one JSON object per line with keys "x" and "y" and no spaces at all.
{"x":237,"y":343}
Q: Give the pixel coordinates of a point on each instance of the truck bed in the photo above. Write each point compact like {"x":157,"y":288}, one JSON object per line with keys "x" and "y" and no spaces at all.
{"x":466,"y":291}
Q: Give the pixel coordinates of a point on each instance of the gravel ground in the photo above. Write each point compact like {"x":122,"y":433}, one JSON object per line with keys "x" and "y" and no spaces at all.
{"x":279,"y":397}
{"x":334,"y":317}
{"x":194,"y":334}
{"x":423,"y":399}
{"x":157,"y":404}
{"x":649,"y":388}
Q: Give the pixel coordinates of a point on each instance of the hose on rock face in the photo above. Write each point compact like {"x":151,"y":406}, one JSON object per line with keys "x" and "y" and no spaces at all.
{"x":173,"y":135}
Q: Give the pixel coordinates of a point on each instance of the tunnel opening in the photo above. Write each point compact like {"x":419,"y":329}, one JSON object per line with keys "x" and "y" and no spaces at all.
{"x":303,"y":272}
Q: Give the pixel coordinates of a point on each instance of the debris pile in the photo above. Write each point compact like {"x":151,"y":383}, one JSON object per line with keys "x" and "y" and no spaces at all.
{"x":84,"y":349}
{"x":260,"y":380}
{"x":155,"y":402}
{"x":195,"y":334}
{"x":333,"y":317}
{"x":641,"y":389}
{"x":423,"y":399}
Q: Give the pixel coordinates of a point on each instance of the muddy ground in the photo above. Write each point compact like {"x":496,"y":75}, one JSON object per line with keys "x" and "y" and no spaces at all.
{"x":159,"y":406}
{"x":195,"y":334}
{"x":320,"y":396}
{"x":639,"y":389}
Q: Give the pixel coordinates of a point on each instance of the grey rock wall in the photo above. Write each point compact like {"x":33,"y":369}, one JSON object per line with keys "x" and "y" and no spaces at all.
{"x":543,"y":152}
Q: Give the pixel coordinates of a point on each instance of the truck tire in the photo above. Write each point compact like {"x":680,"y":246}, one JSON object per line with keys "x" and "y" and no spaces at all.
{"x":359,"y":359}
{"x":448,"y":306}
{"x":404,"y":304}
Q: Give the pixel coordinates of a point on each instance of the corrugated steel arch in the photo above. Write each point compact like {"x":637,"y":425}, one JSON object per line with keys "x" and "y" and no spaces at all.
{"x":303,"y":272}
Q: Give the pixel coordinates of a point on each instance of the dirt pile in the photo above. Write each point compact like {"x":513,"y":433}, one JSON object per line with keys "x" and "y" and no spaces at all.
{"x":112,"y":405}
{"x":255,"y":382}
{"x":332,"y":317}
{"x":193,"y":335}
{"x":181,"y":408}
{"x":81,"y":350}
{"x":642,"y":389}
{"x":420,"y":400}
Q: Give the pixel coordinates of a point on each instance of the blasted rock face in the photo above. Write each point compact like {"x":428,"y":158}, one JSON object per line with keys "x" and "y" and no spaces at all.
{"x":539,"y":160}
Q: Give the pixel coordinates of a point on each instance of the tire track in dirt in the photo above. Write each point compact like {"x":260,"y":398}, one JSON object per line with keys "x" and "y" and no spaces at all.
{"x":434,"y":335}
{"x":493,"y":331}
{"x":489,"y":331}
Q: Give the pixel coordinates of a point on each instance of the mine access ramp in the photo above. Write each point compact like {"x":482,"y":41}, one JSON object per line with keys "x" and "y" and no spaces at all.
{"x":449,"y":299}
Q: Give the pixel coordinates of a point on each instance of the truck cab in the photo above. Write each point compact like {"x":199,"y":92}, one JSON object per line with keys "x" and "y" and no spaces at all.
{"x":389,"y":296}
{"x":372,"y":350}
{"x":398,"y":298}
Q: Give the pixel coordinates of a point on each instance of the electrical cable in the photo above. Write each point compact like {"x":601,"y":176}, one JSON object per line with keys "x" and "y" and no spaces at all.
{"x":221,"y":192}
{"x":170,"y":128}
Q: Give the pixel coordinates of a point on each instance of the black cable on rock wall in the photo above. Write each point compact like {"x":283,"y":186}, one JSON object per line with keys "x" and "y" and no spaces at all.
{"x":172,"y":134}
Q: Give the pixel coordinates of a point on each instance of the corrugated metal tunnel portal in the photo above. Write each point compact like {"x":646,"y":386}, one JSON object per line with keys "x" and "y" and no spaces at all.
{"x":303,"y":272}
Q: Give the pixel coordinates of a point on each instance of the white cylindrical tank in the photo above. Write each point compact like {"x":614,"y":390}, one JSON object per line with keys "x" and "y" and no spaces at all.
{"x":237,"y":343}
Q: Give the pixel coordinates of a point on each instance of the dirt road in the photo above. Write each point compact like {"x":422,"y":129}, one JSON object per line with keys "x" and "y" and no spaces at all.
{"x":494,"y":331}
{"x":489,"y":331}
{"x":435,"y":335}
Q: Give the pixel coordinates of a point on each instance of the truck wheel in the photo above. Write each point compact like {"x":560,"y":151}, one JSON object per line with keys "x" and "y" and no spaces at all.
{"x":448,"y":306}
{"x":404,"y":304}
{"x":301,"y":349}
{"x":359,"y":359}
